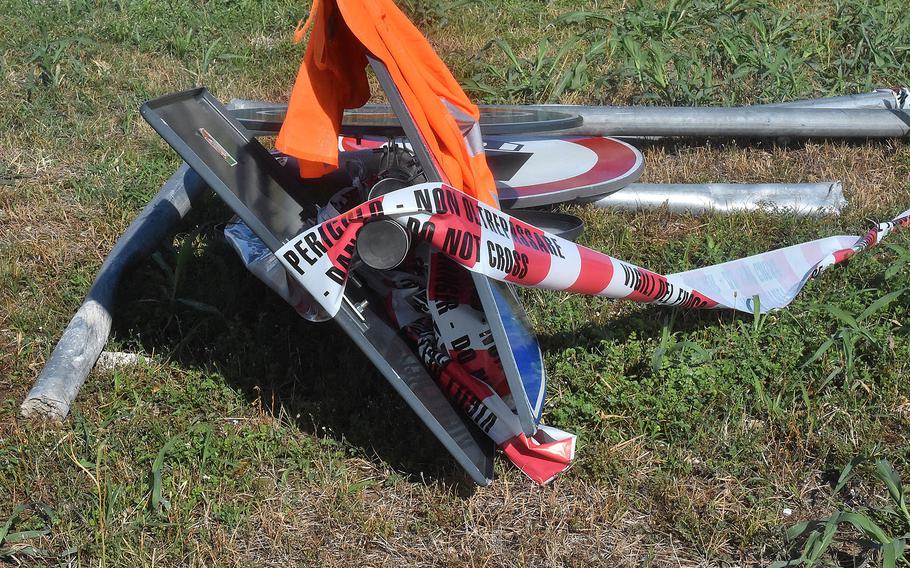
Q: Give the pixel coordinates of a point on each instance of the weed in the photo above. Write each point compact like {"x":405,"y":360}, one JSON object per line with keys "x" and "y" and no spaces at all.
{"x":813,"y":539}
{"x":156,"y":501}
{"x":669,"y":345}
{"x":547,"y":75}
{"x":433,"y":12}
{"x":853,"y":330}
{"x":696,"y":52}
{"x":13,"y":545}
{"x":171,"y":300}
{"x":901,"y":261}
{"x":50,"y":57}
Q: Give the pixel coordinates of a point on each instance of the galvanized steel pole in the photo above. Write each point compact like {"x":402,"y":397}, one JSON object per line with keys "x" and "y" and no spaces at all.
{"x":894,"y":99}
{"x":798,"y":198}
{"x":738,"y":121}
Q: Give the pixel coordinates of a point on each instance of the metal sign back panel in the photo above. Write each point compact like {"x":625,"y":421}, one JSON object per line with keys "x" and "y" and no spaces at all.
{"x":232,"y":162}
{"x":243,"y":173}
{"x":519,"y":336}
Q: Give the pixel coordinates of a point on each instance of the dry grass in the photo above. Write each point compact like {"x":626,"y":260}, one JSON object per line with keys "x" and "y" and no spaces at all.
{"x":873,"y":174}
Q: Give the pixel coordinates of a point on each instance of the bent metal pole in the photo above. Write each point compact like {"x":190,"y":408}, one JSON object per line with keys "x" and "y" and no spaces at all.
{"x":808,"y":199}
{"x":85,"y":336}
{"x":792,"y":122}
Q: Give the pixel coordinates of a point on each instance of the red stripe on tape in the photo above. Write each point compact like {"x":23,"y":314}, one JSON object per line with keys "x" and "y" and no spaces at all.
{"x":596,"y":272}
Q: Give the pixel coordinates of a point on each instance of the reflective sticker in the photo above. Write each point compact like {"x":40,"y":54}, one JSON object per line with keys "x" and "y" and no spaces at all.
{"x":217,"y":147}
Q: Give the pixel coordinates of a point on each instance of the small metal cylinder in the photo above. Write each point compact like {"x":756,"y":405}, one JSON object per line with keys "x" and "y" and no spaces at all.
{"x":383,"y":244}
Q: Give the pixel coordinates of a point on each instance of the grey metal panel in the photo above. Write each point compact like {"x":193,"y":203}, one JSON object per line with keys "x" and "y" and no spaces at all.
{"x":411,"y":132}
{"x":232,"y":162}
{"x":504,"y":346}
{"x":407,"y":375}
{"x":481,"y":282}
{"x":252,"y":194}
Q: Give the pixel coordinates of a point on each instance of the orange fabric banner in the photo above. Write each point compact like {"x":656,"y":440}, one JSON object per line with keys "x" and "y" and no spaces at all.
{"x":332,"y":77}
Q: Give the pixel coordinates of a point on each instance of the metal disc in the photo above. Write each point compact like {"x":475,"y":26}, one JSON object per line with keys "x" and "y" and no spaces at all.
{"x":383,"y":244}
{"x":379,"y":120}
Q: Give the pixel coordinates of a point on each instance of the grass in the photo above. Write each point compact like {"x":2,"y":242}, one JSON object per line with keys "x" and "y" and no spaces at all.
{"x":694,"y":52}
{"x":253,"y":438}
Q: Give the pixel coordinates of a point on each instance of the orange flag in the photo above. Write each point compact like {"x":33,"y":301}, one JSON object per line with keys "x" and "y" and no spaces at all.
{"x":332,"y":78}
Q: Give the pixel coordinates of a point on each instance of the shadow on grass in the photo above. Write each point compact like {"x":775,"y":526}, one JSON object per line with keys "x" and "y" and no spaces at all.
{"x":221,"y":319}
{"x":207,"y":313}
{"x":644,"y":320}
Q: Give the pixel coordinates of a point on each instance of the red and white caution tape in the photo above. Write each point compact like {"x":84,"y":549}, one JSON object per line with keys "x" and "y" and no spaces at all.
{"x":426,"y":305}
{"x":488,"y":241}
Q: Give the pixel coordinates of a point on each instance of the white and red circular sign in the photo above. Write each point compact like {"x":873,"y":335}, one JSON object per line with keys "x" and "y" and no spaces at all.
{"x":535,"y":171}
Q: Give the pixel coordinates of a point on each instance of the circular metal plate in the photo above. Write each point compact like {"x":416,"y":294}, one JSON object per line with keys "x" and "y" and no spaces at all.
{"x":547,"y":171}
{"x":383,"y":244}
{"x":515,"y":120}
{"x":379,"y":120}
